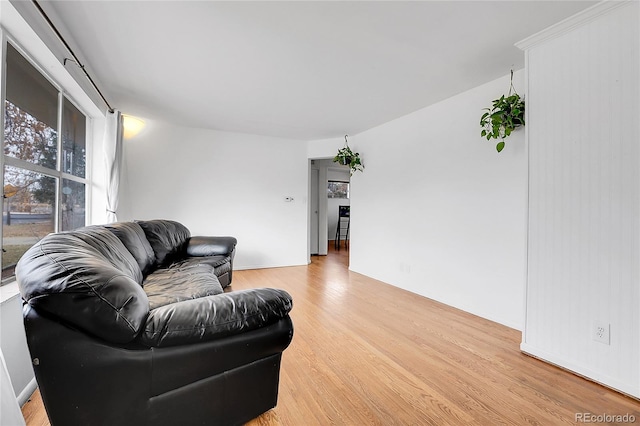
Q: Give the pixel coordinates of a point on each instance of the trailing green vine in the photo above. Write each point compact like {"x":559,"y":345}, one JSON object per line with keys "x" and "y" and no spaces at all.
{"x":349,"y":158}
{"x":505,"y":115}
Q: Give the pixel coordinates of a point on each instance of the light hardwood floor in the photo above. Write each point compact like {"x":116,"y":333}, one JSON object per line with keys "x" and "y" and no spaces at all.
{"x":367,"y":353}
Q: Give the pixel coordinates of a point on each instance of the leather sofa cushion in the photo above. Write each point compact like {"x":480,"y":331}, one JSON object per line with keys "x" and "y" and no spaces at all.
{"x":87,"y":278}
{"x":210,"y":317}
{"x":221,"y":265}
{"x":181,"y":282}
{"x":214,"y":261}
{"x":167,"y":238}
{"x":211,"y":246}
{"x":134,"y":239}
{"x":223,"y":268}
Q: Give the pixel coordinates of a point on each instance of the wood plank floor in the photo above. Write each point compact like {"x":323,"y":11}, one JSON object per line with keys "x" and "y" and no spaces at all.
{"x":367,"y":353}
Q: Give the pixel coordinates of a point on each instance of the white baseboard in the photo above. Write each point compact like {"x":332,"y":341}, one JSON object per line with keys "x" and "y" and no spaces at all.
{"x":580,"y":370}
{"x":27,"y":392}
{"x":266,"y":266}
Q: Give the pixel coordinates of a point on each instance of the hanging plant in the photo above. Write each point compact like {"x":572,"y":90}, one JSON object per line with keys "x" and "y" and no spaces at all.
{"x":346,"y":157}
{"x":505,"y":115}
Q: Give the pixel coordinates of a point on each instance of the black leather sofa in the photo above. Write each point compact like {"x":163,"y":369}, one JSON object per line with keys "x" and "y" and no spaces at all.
{"x":128,"y":324}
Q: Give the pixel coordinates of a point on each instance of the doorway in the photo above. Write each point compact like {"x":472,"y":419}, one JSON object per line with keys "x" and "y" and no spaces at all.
{"x":324,"y":202}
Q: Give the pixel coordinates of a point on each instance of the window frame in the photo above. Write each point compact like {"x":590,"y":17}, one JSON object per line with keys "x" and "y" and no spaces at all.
{"x":330,"y":181}
{"x":57,"y":174}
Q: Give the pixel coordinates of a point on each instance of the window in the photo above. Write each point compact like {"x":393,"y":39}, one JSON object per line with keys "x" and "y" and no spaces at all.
{"x":338,"y":189}
{"x":44,"y":161}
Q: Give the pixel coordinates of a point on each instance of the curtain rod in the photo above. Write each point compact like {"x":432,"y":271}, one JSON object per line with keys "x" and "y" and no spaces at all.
{"x":75,"y":58}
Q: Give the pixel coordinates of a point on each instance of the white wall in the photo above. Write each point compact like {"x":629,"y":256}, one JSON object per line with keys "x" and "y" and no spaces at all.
{"x":584,"y":230}
{"x":221,"y":183}
{"x":326,"y":148}
{"x":439,"y":212}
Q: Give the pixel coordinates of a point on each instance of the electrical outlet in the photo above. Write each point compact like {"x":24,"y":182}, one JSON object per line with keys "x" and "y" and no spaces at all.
{"x":405,"y":268}
{"x":601,"y":332}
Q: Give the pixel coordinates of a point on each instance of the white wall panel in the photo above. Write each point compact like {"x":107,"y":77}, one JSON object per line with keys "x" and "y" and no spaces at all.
{"x":439,"y":212}
{"x":584,"y":196}
{"x":222,"y":183}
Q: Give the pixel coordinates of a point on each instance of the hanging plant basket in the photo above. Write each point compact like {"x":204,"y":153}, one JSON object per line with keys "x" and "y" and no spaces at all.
{"x":505,"y":115}
{"x":346,"y":157}
{"x":345,"y":160}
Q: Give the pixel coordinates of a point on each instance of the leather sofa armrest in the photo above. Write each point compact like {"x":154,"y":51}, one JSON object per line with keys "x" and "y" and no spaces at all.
{"x":211,"y":246}
{"x":212,"y":317}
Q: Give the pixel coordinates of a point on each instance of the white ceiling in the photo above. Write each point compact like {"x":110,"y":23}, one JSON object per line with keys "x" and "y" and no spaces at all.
{"x":303,"y":70}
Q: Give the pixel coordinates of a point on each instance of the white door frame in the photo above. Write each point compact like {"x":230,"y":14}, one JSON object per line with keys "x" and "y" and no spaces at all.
{"x":314,"y":219}
{"x":323,"y":232}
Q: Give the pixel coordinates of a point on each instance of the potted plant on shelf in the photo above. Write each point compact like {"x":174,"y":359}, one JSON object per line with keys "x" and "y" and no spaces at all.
{"x":505,"y":115}
{"x":349,"y":158}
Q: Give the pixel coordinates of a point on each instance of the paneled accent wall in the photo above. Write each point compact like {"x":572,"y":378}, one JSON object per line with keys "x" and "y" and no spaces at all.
{"x":583,"y":133}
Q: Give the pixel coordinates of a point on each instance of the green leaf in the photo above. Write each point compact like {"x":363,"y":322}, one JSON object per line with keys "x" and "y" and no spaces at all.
{"x":505,"y":115}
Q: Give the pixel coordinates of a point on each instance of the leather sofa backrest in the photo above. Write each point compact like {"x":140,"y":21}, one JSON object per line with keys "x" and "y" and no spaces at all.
{"x":134,"y":239}
{"x":167,"y":238}
{"x":87,"y":278}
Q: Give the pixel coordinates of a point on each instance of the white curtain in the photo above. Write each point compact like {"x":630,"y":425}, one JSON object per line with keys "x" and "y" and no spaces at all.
{"x":10,"y":413}
{"x":113,"y":161}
